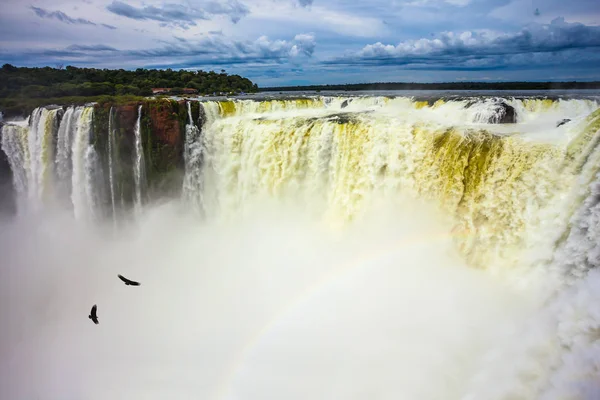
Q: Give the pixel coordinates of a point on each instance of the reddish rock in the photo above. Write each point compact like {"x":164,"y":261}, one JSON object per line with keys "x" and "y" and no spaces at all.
{"x":165,"y":124}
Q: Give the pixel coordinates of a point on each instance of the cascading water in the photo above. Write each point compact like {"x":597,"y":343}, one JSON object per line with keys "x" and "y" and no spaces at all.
{"x":30,"y":150}
{"x":111,"y":157}
{"x":82,"y":196}
{"x":192,"y":180}
{"x":491,"y":272}
{"x":42,"y":132}
{"x":490,"y":179}
{"x":139,"y":166}
{"x":64,"y":145}
{"x":14,"y":145}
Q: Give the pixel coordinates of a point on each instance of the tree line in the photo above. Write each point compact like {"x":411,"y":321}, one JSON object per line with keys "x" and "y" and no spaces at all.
{"x":22,"y":89}
{"x":73,"y":81}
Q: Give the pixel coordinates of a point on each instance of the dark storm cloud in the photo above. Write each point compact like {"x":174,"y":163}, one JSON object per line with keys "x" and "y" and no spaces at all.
{"x":61,"y":16}
{"x":171,"y":14}
{"x":484,"y":50}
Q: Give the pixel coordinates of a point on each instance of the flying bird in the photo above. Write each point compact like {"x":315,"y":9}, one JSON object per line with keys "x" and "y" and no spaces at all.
{"x":128,"y":282}
{"x":93,"y":315}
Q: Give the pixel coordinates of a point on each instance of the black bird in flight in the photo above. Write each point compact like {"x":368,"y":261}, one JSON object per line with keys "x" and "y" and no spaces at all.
{"x":93,"y":315}
{"x":128,"y":282}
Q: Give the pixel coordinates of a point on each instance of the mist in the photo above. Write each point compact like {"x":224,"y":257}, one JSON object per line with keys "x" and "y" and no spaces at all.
{"x":272,"y":305}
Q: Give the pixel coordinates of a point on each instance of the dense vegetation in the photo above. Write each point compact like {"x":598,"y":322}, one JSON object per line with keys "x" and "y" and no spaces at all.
{"x":444,"y":86}
{"x":22,"y":89}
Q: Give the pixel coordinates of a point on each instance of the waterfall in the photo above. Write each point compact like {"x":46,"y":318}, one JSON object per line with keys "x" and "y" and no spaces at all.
{"x":63,"y":150}
{"x":192,"y":181}
{"x":488,"y":256}
{"x":42,"y":131}
{"x":111,"y":157}
{"x":14,"y":145}
{"x":64,"y":145}
{"x":494,"y":183}
{"x":82,"y":196}
{"x":139,"y":166}
{"x":334,"y":155}
{"x":30,"y":151}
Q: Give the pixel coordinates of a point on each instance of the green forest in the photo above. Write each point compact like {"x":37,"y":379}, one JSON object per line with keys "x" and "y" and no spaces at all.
{"x":22,"y":89}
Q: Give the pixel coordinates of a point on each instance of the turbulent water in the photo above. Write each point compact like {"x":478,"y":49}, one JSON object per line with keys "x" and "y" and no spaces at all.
{"x":322,"y":247}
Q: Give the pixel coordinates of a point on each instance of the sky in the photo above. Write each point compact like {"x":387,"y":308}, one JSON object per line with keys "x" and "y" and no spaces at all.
{"x":300,"y":42}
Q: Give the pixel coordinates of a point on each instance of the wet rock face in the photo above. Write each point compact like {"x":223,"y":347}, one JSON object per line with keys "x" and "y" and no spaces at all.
{"x":562,"y":122}
{"x":505,"y":114}
{"x":163,"y":136}
{"x":497,"y":112}
{"x":126,"y":117}
{"x":165,"y":125}
{"x":7,"y":195}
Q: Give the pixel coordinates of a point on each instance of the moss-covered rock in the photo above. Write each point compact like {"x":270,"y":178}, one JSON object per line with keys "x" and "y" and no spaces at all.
{"x":163,"y":134}
{"x":124,"y":119}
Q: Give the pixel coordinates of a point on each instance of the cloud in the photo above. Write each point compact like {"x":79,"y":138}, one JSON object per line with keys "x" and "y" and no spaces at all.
{"x":179,"y":15}
{"x":584,"y":11}
{"x":233,"y":8}
{"x":458,"y":3}
{"x":305,"y":3}
{"x":96,"y":47}
{"x":219,"y":50}
{"x":214,"y":50}
{"x":481,"y":49}
{"x":304,"y":44}
{"x":61,"y":16}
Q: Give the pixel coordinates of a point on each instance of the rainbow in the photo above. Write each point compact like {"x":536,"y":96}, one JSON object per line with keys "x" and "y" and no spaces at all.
{"x":326,"y":281}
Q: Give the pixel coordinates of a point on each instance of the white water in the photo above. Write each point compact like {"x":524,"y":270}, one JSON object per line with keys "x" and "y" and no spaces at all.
{"x":139,"y":166}
{"x":82,"y":196}
{"x":193,"y":148}
{"x":14,"y":138}
{"x":66,"y":134}
{"x":278,"y":295}
{"x":63,"y":148}
{"x":41,"y":154}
